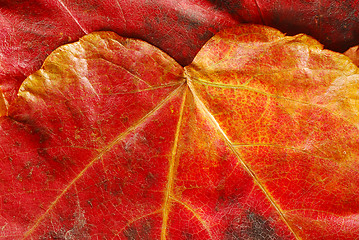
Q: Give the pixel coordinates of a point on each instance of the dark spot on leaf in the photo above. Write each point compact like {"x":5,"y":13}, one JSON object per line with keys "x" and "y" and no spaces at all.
{"x":139,"y":230}
{"x":227,"y":5}
{"x":188,"y":22}
{"x":117,"y":184}
{"x":187,"y":236}
{"x":252,"y":226}
{"x":206,"y":36}
{"x":259,"y":227}
{"x":42,"y":152}
{"x":234,"y":231}
{"x":124,"y":119}
{"x":306,"y":2}
{"x":54,"y":235}
{"x":227,"y":200}
{"x":150,"y":180}
{"x":77,"y":113}
{"x":28,"y":124}
{"x":131,"y":233}
{"x":89,"y":202}
{"x":44,"y":136}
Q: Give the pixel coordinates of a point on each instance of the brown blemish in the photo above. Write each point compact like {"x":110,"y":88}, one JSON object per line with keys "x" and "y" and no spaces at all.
{"x":142,"y":231}
{"x":251,"y":226}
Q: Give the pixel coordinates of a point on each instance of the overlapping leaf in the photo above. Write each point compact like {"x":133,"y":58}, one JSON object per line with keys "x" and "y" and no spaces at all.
{"x":256,"y":139}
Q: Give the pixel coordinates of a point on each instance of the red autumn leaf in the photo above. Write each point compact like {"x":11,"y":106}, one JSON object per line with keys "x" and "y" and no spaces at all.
{"x":256,"y":139}
{"x":31,"y":30}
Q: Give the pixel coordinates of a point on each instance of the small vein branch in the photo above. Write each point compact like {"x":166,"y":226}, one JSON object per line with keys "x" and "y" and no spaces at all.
{"x":260,"y":12}
{"x":72,"y":16}
{"x":244,"y":87}
{"x":204,"y":224}
{"x":133,"y":221}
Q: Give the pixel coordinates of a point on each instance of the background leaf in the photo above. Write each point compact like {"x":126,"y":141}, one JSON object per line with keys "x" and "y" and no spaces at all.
{"x":31,"y":30}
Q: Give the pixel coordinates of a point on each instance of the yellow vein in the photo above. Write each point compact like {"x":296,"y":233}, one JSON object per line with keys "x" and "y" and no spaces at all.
{"x":171,"y":174}
{"x":135,"y":91}
{"x":72,"y":16}
{"x":144,"y":44}
{"x":145,"y":89}
{"x":279,"y":146}
{"x":127,"y":71}
{"x":99,"y":156}
{"x":134,"y":220}
{"x":204,"y":223}
{"x":348,"y":216}
{"x":206,"y":112}
{"x":122,"y":14}
{"x":212,"y":84}
{"x":206,"y":83}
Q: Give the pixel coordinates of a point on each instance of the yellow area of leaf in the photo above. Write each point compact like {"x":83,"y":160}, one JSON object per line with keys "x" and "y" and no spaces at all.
{"x":353,"y":54}
{"x":3,"y":105}
{"x":276,"y":90}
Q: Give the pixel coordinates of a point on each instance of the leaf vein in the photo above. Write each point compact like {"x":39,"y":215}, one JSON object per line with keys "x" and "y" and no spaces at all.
{"x":104,"y":150}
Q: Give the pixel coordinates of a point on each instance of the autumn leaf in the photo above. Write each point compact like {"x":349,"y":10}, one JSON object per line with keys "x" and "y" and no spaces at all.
{"x":32,"y":29}
{"x":256,"y":139}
